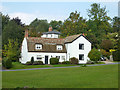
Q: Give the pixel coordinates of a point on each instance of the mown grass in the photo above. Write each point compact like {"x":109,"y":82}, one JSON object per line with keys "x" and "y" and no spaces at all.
{"x":17,"y":65}
{"x":105,"y":76}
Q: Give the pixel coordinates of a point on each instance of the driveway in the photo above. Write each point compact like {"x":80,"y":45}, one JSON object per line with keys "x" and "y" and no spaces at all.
{"x":58,"y":67}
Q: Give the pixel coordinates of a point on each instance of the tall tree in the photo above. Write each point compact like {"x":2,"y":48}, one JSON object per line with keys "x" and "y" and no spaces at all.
{"x":39,"y":25}
{"x":116,"y":24}
{"x":55,"y":24}
{"x":75,"y":24}
{"x":98,"y":17}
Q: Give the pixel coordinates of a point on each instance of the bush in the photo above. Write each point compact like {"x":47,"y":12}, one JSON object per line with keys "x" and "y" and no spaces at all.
{"x":8,"y":64}
{"x":4,"y":61}
{"x":66,"y":62}
{"x":94,"y":55}
{"x":104,"y":53}
{"x":116,"y":55}
{"x":38,"y":63}
{"x":32,"y":60}
{"x":73,"y":60}
{"x":28,"y":63}
{"x":54,"y":61}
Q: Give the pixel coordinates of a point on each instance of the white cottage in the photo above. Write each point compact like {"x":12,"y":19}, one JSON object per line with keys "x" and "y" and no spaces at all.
{"x":50,"y":45}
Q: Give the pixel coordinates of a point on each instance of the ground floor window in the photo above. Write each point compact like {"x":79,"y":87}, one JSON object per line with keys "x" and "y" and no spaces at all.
{"x":81,"y":56}
{"x":58,"y":57}
{"x":39,"y":57}
{"x":63,"y":57}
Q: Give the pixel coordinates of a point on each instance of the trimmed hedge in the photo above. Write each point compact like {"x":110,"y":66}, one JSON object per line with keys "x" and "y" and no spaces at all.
{"x":38,"y":63}
{"x":73,"y":60}
{"x":116,"y":55}
{"x":54,"y":61}
{"x":28,"y":63}
{"x":66,"y":62}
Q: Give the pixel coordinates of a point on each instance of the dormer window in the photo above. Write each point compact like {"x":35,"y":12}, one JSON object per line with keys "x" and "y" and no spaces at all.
{"x":38,"y":46}
{"x":59,"y":47}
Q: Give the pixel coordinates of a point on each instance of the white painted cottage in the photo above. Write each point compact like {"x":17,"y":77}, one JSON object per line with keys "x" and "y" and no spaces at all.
{"x":50,"y":45}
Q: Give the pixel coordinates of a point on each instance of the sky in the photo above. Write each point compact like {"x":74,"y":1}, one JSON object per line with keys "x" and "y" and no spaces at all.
{"x":28,"y":11}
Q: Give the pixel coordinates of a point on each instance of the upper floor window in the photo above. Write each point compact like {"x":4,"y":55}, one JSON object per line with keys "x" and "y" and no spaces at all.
{"x":59,"y":47}
{"x":81,"y":46}
{"x":38,"y":46}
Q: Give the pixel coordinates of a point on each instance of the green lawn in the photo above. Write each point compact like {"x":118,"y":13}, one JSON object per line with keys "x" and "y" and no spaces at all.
{"x":105,"y":76}
{"x":17,"y":65}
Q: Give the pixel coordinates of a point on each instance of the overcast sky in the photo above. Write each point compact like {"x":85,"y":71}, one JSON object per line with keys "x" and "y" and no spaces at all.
{"x":28,"y":11}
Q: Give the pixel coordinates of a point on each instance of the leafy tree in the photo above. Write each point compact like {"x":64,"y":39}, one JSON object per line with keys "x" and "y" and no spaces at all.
{"x":116,"y":24}
{"x":75,"y":24}
{"x":98,"y":20}
{"x":12,"y":31}
{"x":11,"y":50}
{"x":94,"y":55}
{"x":106,"y":44}
{"x":55,"y":24}
{"x":39,"y":25}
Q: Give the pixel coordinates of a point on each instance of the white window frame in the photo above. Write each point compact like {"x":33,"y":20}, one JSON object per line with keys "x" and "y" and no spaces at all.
{"x":39,"y":56}
{"x":38,"y":46}
{"x":59,"y":47}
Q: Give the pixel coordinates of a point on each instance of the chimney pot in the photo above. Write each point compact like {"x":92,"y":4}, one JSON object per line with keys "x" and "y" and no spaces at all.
{"x":50,"y":28}
{"x":26,"y":33}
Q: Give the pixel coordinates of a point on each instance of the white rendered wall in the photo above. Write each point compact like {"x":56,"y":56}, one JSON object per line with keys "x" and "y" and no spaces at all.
{"x":24,"y":51}
{"x":74,"y":51}
{"x":34,"y":54}
{"x":50,"y":35}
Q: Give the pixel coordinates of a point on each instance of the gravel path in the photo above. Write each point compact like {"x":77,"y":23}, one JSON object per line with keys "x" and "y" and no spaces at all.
{"x":58,"y":67}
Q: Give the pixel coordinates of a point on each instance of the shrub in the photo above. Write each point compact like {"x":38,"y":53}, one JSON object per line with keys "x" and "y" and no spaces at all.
{"x":73,"y":60}
{"x":54,"y":61}
{"x":38,"y":63}
{"x":32,"y":60}
{"x":8,"y":63}
{"x":28,"y":63}
{"x":116,"y":55}
{"x":66,"y":62}
{"x":4,"y":61}
{"x":104,"y":53}
{"x":94,"y":55}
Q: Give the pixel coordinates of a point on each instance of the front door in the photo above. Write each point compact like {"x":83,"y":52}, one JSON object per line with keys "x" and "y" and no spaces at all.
{"x":46,"y":59}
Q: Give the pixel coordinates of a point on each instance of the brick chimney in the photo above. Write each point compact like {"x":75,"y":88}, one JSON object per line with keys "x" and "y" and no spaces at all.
{"x":50,"y":28}
{"x":26,"y":33}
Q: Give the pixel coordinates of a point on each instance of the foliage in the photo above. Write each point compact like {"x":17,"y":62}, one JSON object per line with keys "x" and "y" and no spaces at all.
{"x":75,"y":24}
{"x":54,"y":61}
{"x":106,"y":44}
{"x":55,"y":24}
{"x":11,"y":50}
{"x":116,"y":55}
{"x":38,"y":63}
{"x":73,"y":60}
{"x":28,"y":63}
{"x":32,"y":60}
{"x":94,"y":55}
{"x":37,"y":26}
{"x":104,"y":53}
{"x":66,"y":62}
{"x":116,"y":24}
{"x":7,"y":63}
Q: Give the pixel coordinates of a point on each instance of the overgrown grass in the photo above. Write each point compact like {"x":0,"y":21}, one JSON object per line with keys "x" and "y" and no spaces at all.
{"x":105,"y":76}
